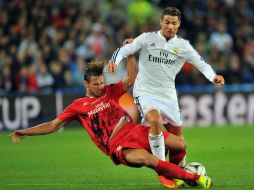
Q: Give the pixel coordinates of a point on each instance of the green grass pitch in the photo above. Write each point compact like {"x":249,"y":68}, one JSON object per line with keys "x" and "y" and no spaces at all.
{"x":69,"y":161}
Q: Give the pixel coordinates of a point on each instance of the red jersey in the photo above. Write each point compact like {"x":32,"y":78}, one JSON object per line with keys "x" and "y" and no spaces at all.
{"x":98,"y":115}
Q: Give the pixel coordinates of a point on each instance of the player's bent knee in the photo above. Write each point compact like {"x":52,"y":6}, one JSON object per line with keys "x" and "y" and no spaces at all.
{"x":174,"y":142}
{"x":182,"y":145}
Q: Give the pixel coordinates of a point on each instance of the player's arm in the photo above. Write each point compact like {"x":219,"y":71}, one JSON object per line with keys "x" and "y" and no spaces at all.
{"x":129,"y":80}
{"x":41,"y":129}
{"x":205,"y":68}
{"x":125,"y":51}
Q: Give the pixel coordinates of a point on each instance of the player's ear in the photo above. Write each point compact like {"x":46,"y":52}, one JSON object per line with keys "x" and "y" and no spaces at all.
{"x":85,"y":83}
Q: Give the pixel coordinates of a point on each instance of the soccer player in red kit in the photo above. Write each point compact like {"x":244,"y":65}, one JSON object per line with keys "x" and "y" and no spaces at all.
{"x":111,"y":128}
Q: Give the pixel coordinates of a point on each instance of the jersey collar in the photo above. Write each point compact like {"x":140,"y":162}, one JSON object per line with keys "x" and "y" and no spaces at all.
{"x":161,"y":36}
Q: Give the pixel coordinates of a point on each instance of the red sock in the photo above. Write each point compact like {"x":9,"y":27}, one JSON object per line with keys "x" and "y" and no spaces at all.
{"x":171,"y":170}
{"x":176,"y":157}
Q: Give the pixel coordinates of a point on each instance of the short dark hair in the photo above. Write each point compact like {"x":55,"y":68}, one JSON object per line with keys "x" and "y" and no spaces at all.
{"x":94,"y":68}
{"x":172,"y":11}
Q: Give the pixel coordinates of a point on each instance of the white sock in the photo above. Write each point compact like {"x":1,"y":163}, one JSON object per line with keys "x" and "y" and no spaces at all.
{"x":157,"y":145}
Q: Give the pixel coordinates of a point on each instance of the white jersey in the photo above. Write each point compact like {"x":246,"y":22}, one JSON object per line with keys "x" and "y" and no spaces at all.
{"x":159,"y":62}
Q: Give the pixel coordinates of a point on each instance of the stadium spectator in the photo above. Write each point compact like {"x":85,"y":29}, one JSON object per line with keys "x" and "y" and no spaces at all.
{"x":220,"y":39}
{"x":28,"y":47}
{"x":5,"y":79}
{"x":50,"y":24}
{"x":57,"y":20}
{"x":248,"y":54}
{"x":97,"y":41}
{"x":38,"y":59}
{"x":68,"y":79}
{"x":77,"y":72}
{"x":32,"y":85}
{"x":222,"y":65}
{"x":235,"y":74}
{"x":162,"y":55}
{"x":45,"y":79}
{"x":202,"y":45}
{"x":82,"y":50}
{"x":57,"y":72}
{"x":111,"y":128}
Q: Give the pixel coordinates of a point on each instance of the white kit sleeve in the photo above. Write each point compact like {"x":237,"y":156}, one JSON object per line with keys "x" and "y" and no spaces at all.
{"x":195,"y":59}
{"x":128,"y":49}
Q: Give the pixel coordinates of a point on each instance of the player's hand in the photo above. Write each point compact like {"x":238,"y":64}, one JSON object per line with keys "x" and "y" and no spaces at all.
{"x":17,"y":135}
{"x":112,"y":67}
{"x":128,"y":41}
{"x":219,"y":80}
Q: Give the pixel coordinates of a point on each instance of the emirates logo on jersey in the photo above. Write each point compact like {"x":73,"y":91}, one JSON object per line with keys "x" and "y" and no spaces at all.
{"x":99,"y":107}
{"x":165,"y":61}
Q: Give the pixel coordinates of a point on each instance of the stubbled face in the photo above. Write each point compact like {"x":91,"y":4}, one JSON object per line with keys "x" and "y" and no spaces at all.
{"x":95,"y":87}
{"x":169,"y":26}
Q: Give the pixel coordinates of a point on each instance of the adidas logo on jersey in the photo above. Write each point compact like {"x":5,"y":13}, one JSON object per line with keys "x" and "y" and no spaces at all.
{"x":153,"y":45}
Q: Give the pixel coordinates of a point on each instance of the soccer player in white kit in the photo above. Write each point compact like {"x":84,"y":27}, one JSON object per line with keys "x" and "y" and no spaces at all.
{"x":162,"y":55}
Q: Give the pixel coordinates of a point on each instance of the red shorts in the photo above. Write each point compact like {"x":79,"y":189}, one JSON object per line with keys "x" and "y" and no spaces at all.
{"x":133,"y":136}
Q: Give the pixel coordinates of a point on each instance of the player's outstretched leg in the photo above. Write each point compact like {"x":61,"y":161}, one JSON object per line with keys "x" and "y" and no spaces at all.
{"x":168,"y":183}
{"x":204,"y":182}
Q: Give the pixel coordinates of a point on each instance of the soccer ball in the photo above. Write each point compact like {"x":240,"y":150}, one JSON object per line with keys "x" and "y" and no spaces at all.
{"x":195,"y":168}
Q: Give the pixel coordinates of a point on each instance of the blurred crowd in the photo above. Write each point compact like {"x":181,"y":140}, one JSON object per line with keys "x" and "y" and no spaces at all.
{"x":44,"y":44}
{"x":222,"y":31}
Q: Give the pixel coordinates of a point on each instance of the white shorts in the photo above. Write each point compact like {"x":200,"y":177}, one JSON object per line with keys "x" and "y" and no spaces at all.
{"x":169,"y":110}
